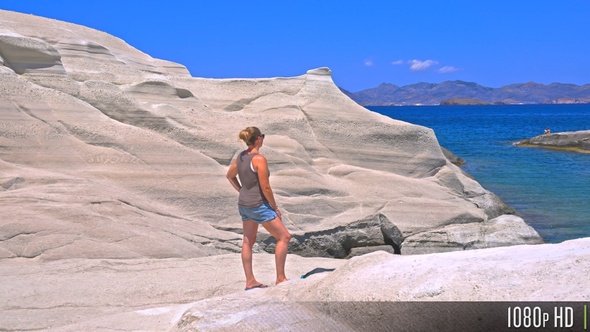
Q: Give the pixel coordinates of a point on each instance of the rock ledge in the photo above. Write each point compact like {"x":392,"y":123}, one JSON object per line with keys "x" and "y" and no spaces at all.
{"x":576,"y":141}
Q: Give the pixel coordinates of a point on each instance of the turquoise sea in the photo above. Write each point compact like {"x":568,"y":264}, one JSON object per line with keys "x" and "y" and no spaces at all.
{"x":549,"y":189}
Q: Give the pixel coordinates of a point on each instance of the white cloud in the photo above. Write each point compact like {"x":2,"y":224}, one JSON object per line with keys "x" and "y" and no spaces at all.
{"x":368,"y":62}
{"x":417,"y":65}
{"x":398,"y":62}
{"x":447,"y":69}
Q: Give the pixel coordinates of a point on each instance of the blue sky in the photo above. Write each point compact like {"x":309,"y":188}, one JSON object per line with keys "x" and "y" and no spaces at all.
{"x":365,"y":43}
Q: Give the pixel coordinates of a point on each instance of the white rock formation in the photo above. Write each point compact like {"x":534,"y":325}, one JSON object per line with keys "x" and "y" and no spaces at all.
{"x":113,"y":151}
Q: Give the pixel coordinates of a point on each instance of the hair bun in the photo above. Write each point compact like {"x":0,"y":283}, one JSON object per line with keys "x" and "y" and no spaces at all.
{"x":249,"y":135}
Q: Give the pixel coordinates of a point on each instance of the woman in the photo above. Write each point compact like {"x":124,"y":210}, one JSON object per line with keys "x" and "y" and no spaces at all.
{"x":257,"y":205}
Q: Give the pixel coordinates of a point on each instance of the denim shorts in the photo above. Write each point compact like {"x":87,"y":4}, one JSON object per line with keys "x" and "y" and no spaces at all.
{"x":260,"y":214}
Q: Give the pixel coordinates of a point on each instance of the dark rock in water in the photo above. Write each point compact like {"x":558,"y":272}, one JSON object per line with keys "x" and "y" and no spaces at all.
{"x":576,"y":141}
{"x":453,"y":158}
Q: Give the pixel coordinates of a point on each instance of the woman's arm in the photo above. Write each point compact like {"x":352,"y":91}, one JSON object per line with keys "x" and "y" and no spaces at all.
{"x":260,"y":165}
{"x":232,"y":176}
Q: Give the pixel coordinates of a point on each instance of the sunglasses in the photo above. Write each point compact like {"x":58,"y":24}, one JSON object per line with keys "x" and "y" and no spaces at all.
{"x":262,"y":135}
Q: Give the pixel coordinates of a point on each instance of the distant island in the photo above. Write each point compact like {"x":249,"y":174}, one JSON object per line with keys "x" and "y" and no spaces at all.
{"x":470,"y":93}
{"x":463,"y":101}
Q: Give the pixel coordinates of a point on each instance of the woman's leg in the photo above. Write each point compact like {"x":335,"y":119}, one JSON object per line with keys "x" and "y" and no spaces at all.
{"x":250,"y":231}
{"x":276,"y":228}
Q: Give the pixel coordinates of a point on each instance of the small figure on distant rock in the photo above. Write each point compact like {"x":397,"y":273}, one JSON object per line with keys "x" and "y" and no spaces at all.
{"x":257,"y":205}
{"x":547,"y":131}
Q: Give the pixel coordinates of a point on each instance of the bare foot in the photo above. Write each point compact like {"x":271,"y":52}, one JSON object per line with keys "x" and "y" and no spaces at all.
{"x":259,"y":285}
{"x":252,"y":283}
{"x":281,"y":280}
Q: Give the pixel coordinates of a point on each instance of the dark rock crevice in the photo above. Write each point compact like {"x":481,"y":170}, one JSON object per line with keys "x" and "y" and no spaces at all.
{"x":370,"y":234}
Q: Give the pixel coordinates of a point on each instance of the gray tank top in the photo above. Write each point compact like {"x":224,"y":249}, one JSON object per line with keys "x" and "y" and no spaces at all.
{"x":251,"y":194}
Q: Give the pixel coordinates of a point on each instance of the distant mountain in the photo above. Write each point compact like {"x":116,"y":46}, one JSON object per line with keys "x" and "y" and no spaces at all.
{"x":436,"y":93}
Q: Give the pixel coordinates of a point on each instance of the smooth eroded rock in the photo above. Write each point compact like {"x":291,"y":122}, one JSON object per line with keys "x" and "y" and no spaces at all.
{"x":121,"y":155}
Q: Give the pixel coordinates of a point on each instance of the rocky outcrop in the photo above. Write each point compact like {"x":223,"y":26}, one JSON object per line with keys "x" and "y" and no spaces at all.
{"x":370,"y":234}
{"x":577,"y":141}
{"x":119,"y":155}
{"x":23,"y":54}
{"x":496,"y":232}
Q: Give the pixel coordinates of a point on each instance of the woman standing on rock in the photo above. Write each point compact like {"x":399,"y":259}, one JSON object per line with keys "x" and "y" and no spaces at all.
{"x":257,"y":205}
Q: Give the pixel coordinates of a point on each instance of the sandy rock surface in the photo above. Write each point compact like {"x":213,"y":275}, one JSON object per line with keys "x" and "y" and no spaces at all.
{"x":125,"y":294}
{"x":207,"y":293}
{"x":547,"y":272}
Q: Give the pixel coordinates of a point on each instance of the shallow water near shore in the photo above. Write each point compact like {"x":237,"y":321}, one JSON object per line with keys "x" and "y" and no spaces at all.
{"x":549,"y":189}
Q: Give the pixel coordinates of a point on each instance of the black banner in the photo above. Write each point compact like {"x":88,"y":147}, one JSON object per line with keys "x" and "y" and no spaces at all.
{"x":454,"y":316}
